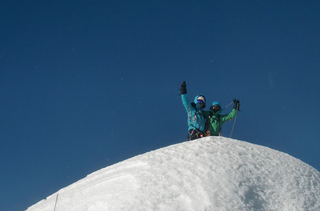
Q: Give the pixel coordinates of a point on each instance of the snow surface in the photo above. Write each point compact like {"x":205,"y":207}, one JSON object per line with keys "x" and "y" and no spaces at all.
{"x":208,"y":174}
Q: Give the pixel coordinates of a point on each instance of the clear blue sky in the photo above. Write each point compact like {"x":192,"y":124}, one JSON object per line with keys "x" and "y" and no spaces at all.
{"x":86,"y":84}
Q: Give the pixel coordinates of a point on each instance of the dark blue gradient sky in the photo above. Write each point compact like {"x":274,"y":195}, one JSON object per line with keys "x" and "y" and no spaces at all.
{"x":86,"y":84}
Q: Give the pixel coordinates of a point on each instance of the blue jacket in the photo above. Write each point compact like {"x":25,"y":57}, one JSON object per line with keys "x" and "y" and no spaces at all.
{"x":196,"y":119}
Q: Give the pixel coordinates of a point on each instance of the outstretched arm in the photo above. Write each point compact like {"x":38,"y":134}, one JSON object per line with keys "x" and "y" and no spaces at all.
{"x":229,"y":116}
{"x":233,"y":113}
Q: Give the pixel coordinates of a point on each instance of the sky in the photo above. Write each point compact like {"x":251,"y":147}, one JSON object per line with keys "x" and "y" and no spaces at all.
{"x":86,"y":84}
{"x":214,"y":173}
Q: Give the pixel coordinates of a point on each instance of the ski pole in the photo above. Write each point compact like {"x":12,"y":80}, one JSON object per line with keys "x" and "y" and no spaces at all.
{"x":55,"y":204}
{"x":234,"y":122}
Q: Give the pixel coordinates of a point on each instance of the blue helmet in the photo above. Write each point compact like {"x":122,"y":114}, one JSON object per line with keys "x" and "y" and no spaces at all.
{"x":200,"y":98}
{"x":216,"y":103}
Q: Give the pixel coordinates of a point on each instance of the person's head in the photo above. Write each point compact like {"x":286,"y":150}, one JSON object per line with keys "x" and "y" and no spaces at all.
{"x":216,"y":107}
{"x":200,"y":101}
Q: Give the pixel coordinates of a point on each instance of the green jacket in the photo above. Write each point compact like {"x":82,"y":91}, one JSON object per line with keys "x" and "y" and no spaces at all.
{"x":214,"y":122}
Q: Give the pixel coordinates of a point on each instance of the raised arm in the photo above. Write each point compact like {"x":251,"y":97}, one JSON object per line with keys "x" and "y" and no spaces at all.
{"x":183,"y":92}
{"x":233,"y":113}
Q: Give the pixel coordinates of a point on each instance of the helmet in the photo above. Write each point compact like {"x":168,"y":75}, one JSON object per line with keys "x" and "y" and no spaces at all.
{"x":216,"y":103}
{"x":200,"y":98}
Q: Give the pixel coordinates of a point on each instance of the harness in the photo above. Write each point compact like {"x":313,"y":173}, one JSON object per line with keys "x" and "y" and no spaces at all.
{"x":195,"y":133}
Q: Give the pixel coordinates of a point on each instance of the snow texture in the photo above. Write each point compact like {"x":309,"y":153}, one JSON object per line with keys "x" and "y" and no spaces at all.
{"x":208,"y":174}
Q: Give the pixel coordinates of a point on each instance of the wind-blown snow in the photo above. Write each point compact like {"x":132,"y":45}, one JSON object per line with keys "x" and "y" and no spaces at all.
{"x":208,"y":174}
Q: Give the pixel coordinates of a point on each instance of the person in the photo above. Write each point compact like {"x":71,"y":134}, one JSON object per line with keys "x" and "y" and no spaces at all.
{"x":215,"y":120}
{"x":196,"y":119}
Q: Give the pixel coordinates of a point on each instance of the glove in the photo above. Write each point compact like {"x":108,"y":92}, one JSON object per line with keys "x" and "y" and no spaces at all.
{"x":236,"y":104}
{"x":183,"y":88}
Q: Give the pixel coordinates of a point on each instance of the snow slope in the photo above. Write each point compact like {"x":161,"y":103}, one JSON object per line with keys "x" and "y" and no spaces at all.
{"x":208,"y":174}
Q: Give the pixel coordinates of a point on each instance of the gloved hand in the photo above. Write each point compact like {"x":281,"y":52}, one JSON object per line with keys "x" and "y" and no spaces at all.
{"x":183,"y":88}
{"x":236,"y":104}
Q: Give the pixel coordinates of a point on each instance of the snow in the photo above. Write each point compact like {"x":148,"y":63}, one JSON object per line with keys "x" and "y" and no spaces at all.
{"x":208,"y":174}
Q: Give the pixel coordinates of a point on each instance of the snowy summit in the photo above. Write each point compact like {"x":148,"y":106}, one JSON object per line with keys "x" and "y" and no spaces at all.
{"x":208,"y":174}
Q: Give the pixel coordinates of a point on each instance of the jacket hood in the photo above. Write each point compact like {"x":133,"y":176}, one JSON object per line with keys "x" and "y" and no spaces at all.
{"x":215,"y":112}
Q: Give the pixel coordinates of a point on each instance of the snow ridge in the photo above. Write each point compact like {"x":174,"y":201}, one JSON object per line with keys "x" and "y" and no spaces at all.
{"x":212,"y":173}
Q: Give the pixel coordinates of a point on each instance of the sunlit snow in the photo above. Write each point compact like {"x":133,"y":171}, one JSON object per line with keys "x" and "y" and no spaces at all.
{"x":208,"y":174}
